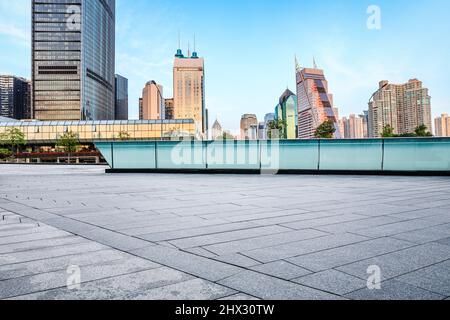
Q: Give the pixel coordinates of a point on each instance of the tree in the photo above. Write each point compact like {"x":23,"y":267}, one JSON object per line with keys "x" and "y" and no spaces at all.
{"x":225,"y":136}
{"x":5,"y":153}
{"x":422,"y":131}
{"x":325,"y":131}
{"x":279,"y":125}
{"x":14,"y":138}
{"x":123,"y":136}
{"x":388,"y":132}
{"x":68,"y":142}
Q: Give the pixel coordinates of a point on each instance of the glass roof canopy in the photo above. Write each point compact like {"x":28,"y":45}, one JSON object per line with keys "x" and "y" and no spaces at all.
{"x":17,"y":123}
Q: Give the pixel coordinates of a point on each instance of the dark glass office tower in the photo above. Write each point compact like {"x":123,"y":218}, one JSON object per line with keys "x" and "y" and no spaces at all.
{"x":73,"y":43}
{"x":121,"y":91}
{"x":15,"y":95}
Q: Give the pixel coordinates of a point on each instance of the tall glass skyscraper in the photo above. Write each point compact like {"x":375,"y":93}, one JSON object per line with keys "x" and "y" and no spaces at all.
{"x":287,"y":112}
{"x":121,"y":97}
{"x":73,"y":44}
{"x":15,"y":97}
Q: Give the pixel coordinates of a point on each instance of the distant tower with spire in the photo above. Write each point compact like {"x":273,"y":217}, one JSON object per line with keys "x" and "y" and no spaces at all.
{"x":189,"y":88}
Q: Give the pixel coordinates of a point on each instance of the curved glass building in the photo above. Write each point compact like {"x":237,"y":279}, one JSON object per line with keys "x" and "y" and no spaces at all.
{"x":73,"y":44}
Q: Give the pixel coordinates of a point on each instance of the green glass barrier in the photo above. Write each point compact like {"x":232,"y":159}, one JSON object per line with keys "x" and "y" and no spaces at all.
{"x":240,"y":155}
{"x":360,"y":155}
{"x":417,"y":154}
{"x":181,"y":155}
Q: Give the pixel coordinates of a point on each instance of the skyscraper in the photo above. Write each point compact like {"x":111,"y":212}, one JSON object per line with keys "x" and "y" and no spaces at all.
{"x":15,"y":94}
{"x":404,"y":107}
{"x":442,"y":126}
{"x":315,"y":103}
{"x":287,"y":112}
{"x":189,"y":89}
{"x":121,"y":98}
{"x":73,"y":44}
{"x":152,"y":101}
{"x":248,"y":124}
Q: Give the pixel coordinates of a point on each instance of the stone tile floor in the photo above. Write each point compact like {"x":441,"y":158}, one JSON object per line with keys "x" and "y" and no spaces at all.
{"x":148,"y":236}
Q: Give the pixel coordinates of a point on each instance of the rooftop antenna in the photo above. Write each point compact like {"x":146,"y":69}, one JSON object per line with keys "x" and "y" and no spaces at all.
{"x":314,"y":63}
{"x":195,"y":44}
{"x":189,"y":49}
{"x":297,"y":65}
{"x":179,"y":39}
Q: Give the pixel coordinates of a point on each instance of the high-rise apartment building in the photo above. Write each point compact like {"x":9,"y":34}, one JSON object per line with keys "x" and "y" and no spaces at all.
{"x":287,"y":112}
{"x":404,"y":107}
{"x":248,"y":124}
{"x":73,"y":57}
{"x":189,"y":89}
{"x":442,"y":126}
{"x":121,"y":98}
{"x":352,"y":127}
{"x":153,"y":102}
{"x":15,"y":97}
{"x":315,"y":103}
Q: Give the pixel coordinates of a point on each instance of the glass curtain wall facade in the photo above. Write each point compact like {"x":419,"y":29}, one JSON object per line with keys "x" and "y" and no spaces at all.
{"x":73,"y":43}
{"x":287,"y":112}
{"x":15,"y":97}
{"x":121,"y":98}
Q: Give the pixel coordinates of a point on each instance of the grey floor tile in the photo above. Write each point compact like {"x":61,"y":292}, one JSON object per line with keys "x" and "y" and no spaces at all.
{"x":52,"y":280}
{"x":269,"y":288}
{"x":394,"y":290}
{"x":327,"y":259}
{"x":426,"y":235}
{"x":281,"y":269}
{"x":435,"y":278}
{"x":199,"y":266}
{"x":294,"y":249}
{"x":125,"y":287}
{"x":264,"y":241}
{"x":401,"y":262}
{"x":332,"y":281}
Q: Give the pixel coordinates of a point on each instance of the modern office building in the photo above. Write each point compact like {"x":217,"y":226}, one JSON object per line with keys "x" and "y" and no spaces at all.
{"x":121,"y":98}
{"x":442,"y":126}
{"x":169,"y":109}
{"x":315,"y":103}
{"x":15,"y":97}
{"x":216,"y":130}
{"x":287,"y":112}
{"x":404,"y":107}
{"x":153,"y":101}
{"x":247,"y":121}
{"x":189,"y":89}
{"x":73,"y":57}
{"x":352,"y":127}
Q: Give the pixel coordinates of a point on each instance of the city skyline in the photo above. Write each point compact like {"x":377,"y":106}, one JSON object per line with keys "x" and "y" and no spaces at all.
{"x":353,"y":67}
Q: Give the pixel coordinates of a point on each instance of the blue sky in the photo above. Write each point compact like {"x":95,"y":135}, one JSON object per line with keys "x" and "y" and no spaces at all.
{"x":249,"y":48}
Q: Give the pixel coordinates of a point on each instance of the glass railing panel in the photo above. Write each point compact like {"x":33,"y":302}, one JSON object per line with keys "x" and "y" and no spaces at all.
{"x":106,"y":150}
{"x":240,"y":155}
{"x":134,"y":155}
{"x":181,"y":155}
{"x":363,"y":155}
{"x":417,"y":154}
{"x":290,"y":155}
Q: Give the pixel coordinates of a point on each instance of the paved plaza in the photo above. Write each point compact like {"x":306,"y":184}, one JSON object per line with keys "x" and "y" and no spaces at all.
{"x":150,"y":236}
